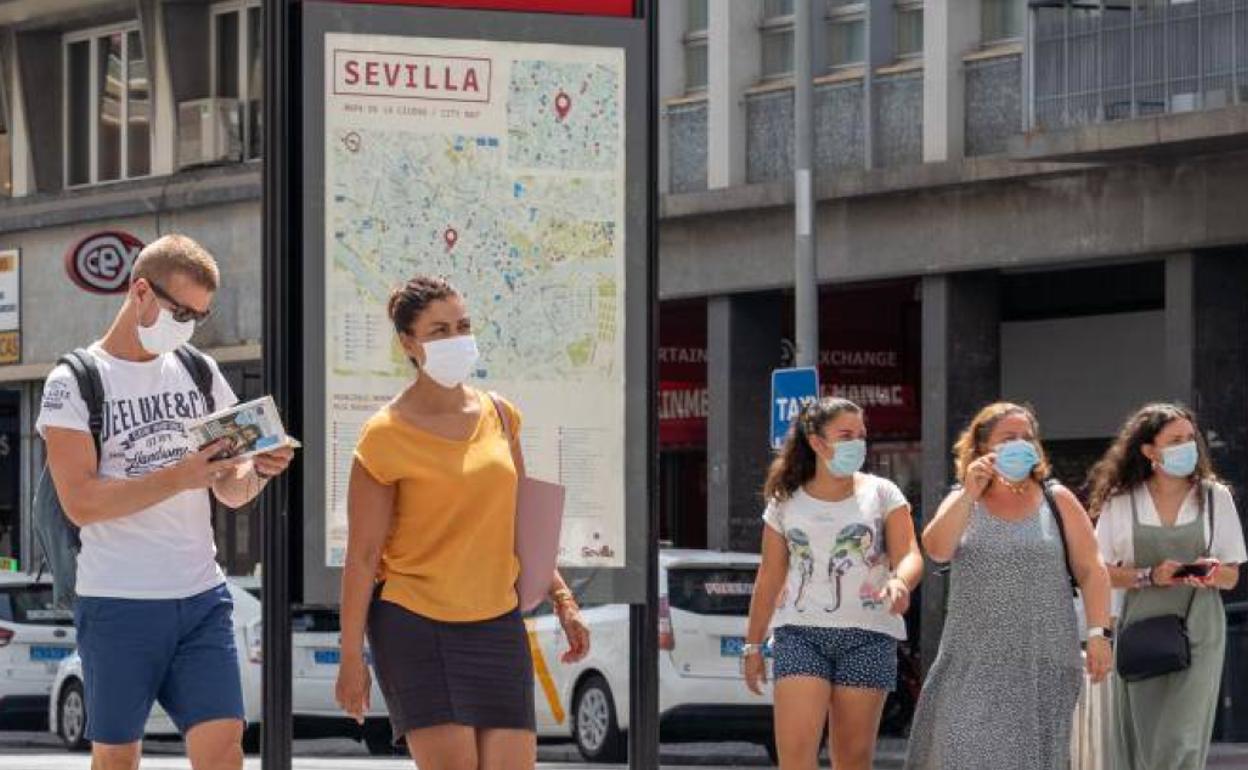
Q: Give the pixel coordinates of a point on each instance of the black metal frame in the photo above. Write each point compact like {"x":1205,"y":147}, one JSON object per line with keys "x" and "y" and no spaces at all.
{"x":283,"y":361}
{"x":643,"y":734}
{"x":282,"y":357}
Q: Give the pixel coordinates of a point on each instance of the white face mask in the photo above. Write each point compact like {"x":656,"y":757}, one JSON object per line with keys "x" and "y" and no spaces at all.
{"x":449,"y":362}
{"x":166,"y":334}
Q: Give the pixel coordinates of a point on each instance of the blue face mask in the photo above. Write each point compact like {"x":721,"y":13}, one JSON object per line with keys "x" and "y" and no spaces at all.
{"x":848,"y":458}
{"x":1016,"y":459}
{"x":1180,"y":460}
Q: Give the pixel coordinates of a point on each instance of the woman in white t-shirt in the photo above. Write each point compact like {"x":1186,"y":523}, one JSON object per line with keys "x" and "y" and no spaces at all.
{"x":1155,"y":496}
{"x":840,"y":560}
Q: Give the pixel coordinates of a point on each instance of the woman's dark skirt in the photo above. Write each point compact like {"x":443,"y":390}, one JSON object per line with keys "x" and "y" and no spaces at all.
{"x":434,"y":673}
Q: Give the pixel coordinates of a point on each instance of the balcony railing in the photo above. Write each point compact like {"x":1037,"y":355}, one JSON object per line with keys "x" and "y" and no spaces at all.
{"x":1094,"y":61}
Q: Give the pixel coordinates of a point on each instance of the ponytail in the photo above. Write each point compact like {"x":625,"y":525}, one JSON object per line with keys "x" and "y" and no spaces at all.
{"x":796,"y":462}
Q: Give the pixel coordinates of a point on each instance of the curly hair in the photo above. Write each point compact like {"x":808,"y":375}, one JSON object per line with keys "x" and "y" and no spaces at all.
{"x":1124,"y":466}
{"x":796,"y":462}
{"x":973,"y":443}
{"x":408,"y":302}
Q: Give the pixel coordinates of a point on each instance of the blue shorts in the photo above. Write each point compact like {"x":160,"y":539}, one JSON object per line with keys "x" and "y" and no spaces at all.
{"x":179,"y":652}
{"x":846,"y":657}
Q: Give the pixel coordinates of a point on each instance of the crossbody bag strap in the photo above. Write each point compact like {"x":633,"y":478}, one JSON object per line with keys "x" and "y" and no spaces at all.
{"x":516,"y":459}
{"x":1047,"y":486}
{"x":1212,"y":519}
{"x":1209,"y":546}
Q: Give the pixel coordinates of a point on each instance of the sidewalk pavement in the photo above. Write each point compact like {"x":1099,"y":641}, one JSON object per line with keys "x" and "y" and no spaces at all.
{"x":40,"y":753}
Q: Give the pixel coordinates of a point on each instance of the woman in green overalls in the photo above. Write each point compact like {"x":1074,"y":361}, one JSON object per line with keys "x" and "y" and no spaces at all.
{"x":1159,"y":506}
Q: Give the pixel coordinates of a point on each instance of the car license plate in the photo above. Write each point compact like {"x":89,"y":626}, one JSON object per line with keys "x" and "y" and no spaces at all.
{"x":49,"y":654}
{"x":731,"y":646}
{"x":325,"y":657}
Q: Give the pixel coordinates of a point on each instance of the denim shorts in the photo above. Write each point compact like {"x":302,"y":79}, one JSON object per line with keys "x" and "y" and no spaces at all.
{"x":846,"y":657}
{"x":178,"y":652}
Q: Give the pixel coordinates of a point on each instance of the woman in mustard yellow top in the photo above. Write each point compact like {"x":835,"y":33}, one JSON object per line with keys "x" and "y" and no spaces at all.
{"x":431,"y":568}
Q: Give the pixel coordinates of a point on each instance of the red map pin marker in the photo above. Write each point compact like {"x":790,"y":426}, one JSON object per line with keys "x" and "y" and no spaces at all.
{"x":450,"y":236}
{"x":563,"y":104}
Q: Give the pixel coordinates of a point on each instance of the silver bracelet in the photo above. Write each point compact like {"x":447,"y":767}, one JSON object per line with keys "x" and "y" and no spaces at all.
{"x":751,"y":649}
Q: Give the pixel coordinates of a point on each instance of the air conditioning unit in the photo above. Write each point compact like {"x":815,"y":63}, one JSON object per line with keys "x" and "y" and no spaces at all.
{"x":1188,"y":102}
{"x":209,"y":131}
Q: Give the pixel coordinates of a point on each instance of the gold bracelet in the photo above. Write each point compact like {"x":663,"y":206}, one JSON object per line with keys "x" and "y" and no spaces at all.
{"x":562,"y":598}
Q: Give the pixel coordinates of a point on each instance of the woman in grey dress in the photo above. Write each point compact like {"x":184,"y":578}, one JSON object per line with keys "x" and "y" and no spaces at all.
{"x":1001,"y":694}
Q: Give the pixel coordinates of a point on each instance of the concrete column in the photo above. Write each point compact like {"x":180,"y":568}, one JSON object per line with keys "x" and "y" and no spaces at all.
{"x":164,"y":117}
{"x":951,"y":28}
{"x":672,"y":21}
{"x":1220,"y":371}
{"x":961,"y":373}
{"x":1180,"y":327}
{"x":881,"y":40}
{"x":734,"y":63}
{"x":743,"y":346}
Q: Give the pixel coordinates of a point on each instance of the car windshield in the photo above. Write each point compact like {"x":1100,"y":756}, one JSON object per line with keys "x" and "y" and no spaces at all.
{"x":32,"y":604}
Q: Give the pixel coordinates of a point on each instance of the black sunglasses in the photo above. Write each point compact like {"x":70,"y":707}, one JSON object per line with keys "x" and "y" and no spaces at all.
{"x":181,"y":313}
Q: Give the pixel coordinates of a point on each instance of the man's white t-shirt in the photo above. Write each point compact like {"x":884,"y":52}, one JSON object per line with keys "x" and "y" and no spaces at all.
{"x":166,"y":551}
{"x":837,"y":559}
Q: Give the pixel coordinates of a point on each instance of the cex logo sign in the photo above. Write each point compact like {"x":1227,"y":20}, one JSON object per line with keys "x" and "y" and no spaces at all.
{"x":101,"y":262}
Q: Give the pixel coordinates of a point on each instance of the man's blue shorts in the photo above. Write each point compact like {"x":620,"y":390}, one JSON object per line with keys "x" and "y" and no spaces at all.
{"x":179,"y":652}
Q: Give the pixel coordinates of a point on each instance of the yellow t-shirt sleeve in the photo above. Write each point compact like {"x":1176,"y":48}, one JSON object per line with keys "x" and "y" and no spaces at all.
{"x":375,"y":453}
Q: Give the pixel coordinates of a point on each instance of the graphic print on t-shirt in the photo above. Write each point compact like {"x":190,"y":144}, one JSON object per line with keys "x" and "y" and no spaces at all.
{"x":858,"y":545}
{"x":141,"y":434}
{"x":801,"y":555}
{"x":838,"y":560}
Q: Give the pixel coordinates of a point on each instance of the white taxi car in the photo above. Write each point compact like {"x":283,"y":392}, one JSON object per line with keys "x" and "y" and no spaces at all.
{"x":315,"y":637}
{"x":34,"y":639}
{"x":704,"y":604}
{"x":66,"y":709}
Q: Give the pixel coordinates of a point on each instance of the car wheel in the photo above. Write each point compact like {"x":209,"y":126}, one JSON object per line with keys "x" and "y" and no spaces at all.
{"x":595,"y":727}
{"x":251,"y":739}
{"x":71,"y":717}
{"x":773,"y":753}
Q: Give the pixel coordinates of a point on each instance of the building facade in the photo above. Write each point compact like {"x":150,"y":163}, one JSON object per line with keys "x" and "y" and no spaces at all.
{"x":1037,"y":201}
{"x":1041,"y":202}
{"x":122,"y":121}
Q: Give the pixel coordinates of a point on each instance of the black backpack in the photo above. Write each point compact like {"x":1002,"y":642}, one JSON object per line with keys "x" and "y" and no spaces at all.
{"x":58,"y":537}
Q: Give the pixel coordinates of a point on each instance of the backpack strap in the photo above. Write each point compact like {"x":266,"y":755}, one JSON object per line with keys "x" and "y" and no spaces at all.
{"x":196,"y":364}
{"x":1208,"y":489}
{"x":91,"y":387}
{"x":1047,"y":487}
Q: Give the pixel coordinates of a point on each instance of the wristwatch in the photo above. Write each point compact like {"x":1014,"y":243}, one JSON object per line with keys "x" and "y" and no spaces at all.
{"x":751,"y":649}
{"x":1144,"y":577}
{"x":1100,"y":631}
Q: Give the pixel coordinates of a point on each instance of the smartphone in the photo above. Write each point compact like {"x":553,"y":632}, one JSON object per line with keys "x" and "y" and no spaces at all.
{"x":1193,"y":570}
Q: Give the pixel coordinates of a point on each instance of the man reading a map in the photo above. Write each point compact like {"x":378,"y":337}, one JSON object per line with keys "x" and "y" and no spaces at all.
{"x":153,"y":611}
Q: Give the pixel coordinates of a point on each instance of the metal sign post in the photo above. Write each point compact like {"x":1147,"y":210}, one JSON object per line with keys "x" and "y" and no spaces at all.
{"x":643,"y":737}
{"x":791,"y":390}
{"x":279,"y":221}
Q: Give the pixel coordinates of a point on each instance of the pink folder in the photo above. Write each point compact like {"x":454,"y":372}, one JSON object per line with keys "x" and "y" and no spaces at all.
{"x":539,"y":520}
